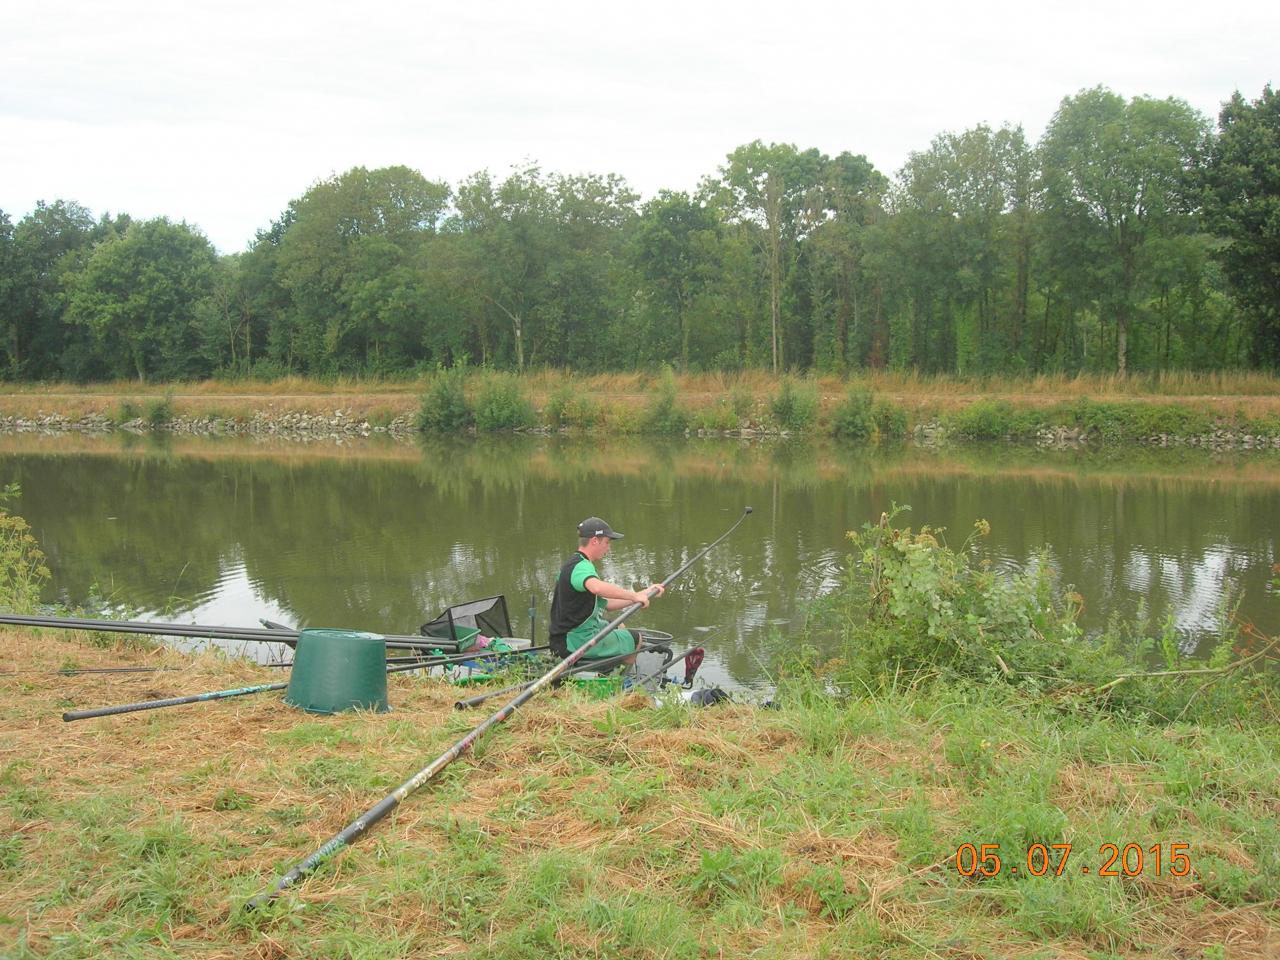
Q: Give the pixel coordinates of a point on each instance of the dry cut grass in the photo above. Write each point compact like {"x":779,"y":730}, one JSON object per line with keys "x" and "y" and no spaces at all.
{"x":579,"y":829}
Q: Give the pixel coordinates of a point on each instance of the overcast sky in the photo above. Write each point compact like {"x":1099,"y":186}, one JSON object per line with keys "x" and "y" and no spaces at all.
{"x":221,"y":113}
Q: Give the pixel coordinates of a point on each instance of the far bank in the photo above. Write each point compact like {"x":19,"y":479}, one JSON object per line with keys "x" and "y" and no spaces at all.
{"x":1233,"y":411}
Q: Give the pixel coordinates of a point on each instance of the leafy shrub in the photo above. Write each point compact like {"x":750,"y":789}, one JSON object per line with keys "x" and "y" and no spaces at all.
{"x":128,"y":410}
{"x":796,"y":405}
{"x":663,"y":415}
{"x":160,"y":412}
{"x":566,"y":407}
{"x":890,"y":419}
{"x":22,"y":565}
{"x":719,"y":416}
{"x":502,"y":405}
{"x":994,"y":420}
{"x":853,"y":419}
{"x":444,"y":407}
{"x":913,"y":610}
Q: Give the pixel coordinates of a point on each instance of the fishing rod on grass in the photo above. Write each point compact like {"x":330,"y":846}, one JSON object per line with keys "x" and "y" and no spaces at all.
{"x":72,"y":715}
{"x":444,"y":661}
{"x":354,"y":830}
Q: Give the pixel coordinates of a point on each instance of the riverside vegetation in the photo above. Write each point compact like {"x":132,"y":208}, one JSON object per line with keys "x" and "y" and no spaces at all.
{"x":1240,"y":410}
{"x":964,"y":707}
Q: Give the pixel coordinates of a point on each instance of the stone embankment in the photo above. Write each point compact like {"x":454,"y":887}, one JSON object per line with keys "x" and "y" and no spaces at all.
{"x":292,"y":425}
{"x":935,"y":433}
{"x":341,"y":425}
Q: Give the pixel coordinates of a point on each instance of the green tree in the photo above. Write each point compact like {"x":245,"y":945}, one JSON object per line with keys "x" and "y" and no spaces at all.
{"x":48,"y":245}
{"x":772,"y":192}
{"x":674,"y":247}
{"x":138,"y":294}
{"x":1244,"y":203}
{"x":537,"y":253}
{"x":838,"y":285}
{"x":965,"y":206}
{"x":1118,"y":176}
{"x":340,"y":240}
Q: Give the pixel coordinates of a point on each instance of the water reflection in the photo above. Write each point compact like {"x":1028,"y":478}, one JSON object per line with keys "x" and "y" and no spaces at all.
{"x":383,"y":537}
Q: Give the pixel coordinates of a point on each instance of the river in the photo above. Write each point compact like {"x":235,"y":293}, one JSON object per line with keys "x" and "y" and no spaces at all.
{"x":381,"y":536}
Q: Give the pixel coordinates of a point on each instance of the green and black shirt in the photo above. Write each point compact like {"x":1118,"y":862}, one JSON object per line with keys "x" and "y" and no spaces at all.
{"x":576,"y":612}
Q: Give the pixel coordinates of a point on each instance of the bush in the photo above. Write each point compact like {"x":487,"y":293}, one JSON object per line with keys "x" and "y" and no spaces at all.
{"x":853,"y":419}
{"x":568,"y":408}
{"x":890,"y":420}
{"x":444,"y":407}
{"x":995,"y":420}
{"x":160,"y":412}
{"x":663,"y":415}
{"x":796,"y":405}
{"x":128,"y":410}
{"x":719,"y":417}
{"x":915,"y":611}
{"x":502,"y":405}
{"x":22,"y":566}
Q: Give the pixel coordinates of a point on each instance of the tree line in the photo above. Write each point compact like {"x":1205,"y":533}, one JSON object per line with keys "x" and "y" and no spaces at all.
{"x":1133,"y":237}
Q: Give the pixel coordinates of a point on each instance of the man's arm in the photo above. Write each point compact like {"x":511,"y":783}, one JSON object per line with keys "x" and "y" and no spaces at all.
{"x":619,"y":596}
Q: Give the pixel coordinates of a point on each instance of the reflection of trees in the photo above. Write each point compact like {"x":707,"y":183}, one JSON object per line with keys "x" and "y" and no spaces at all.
{"x":384,"y":543}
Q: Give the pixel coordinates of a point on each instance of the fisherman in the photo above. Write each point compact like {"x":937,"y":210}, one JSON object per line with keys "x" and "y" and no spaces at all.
{"x":581,"y":598}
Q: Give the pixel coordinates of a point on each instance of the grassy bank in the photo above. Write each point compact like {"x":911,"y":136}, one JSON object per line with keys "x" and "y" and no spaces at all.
{"x":856,"y":408}
{"x":585,"y":829}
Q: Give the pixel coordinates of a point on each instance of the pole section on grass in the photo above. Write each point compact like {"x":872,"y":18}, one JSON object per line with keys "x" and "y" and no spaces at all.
{"x":72,"y":715}
{"x":354,"y":830}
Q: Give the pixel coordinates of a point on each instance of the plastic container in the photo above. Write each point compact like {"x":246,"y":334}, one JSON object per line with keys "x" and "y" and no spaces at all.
{"x":337,"y":670}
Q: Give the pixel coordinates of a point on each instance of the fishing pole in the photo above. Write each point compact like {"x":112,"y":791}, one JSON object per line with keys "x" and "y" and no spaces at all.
{"x":354,"y":830}
{"x":580,"y":668}
{"x":72,"y":715}
{"x":203,"y":632}
{"x":485,"y":654}
{"x":75,"y":671}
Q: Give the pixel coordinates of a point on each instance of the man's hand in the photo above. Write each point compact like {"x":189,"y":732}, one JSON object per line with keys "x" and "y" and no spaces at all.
{"x":642,"y":596}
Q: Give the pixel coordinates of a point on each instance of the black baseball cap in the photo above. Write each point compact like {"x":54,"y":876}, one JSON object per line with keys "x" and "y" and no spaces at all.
{"x":595,"y":527}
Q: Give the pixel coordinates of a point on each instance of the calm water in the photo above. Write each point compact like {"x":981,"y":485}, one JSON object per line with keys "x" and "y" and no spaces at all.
{"x":382,"y":537}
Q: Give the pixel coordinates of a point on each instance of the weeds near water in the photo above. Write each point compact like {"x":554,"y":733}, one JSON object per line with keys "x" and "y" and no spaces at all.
{"x":664,"y":416}
{"x":502,"y":406}
{"x":160,"y":411}
{"x":23,"y":571}
{"x":444,"y":408}
{"x":795,"y":408}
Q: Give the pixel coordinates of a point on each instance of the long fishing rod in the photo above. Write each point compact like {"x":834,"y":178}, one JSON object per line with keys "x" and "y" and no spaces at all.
{"x":425,"y":661}
{"x":354,"y":830}
{"x":580,"y":668}
{"x":71,"y":715}
{"x":76,"y":671}
{"x":203,"y":632}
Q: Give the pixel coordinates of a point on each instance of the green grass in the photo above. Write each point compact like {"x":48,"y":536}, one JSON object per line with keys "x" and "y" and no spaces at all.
{"x":826,"y":828}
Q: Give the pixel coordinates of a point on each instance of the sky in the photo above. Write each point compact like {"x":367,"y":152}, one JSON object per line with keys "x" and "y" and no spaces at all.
{"x":220,"y":114}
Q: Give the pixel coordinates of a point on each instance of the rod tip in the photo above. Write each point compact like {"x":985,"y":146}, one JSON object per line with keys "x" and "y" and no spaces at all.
{"x":748,"y":510}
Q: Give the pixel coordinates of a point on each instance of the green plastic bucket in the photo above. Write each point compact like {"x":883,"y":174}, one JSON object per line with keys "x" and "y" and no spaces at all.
{"x":337,"y":670}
